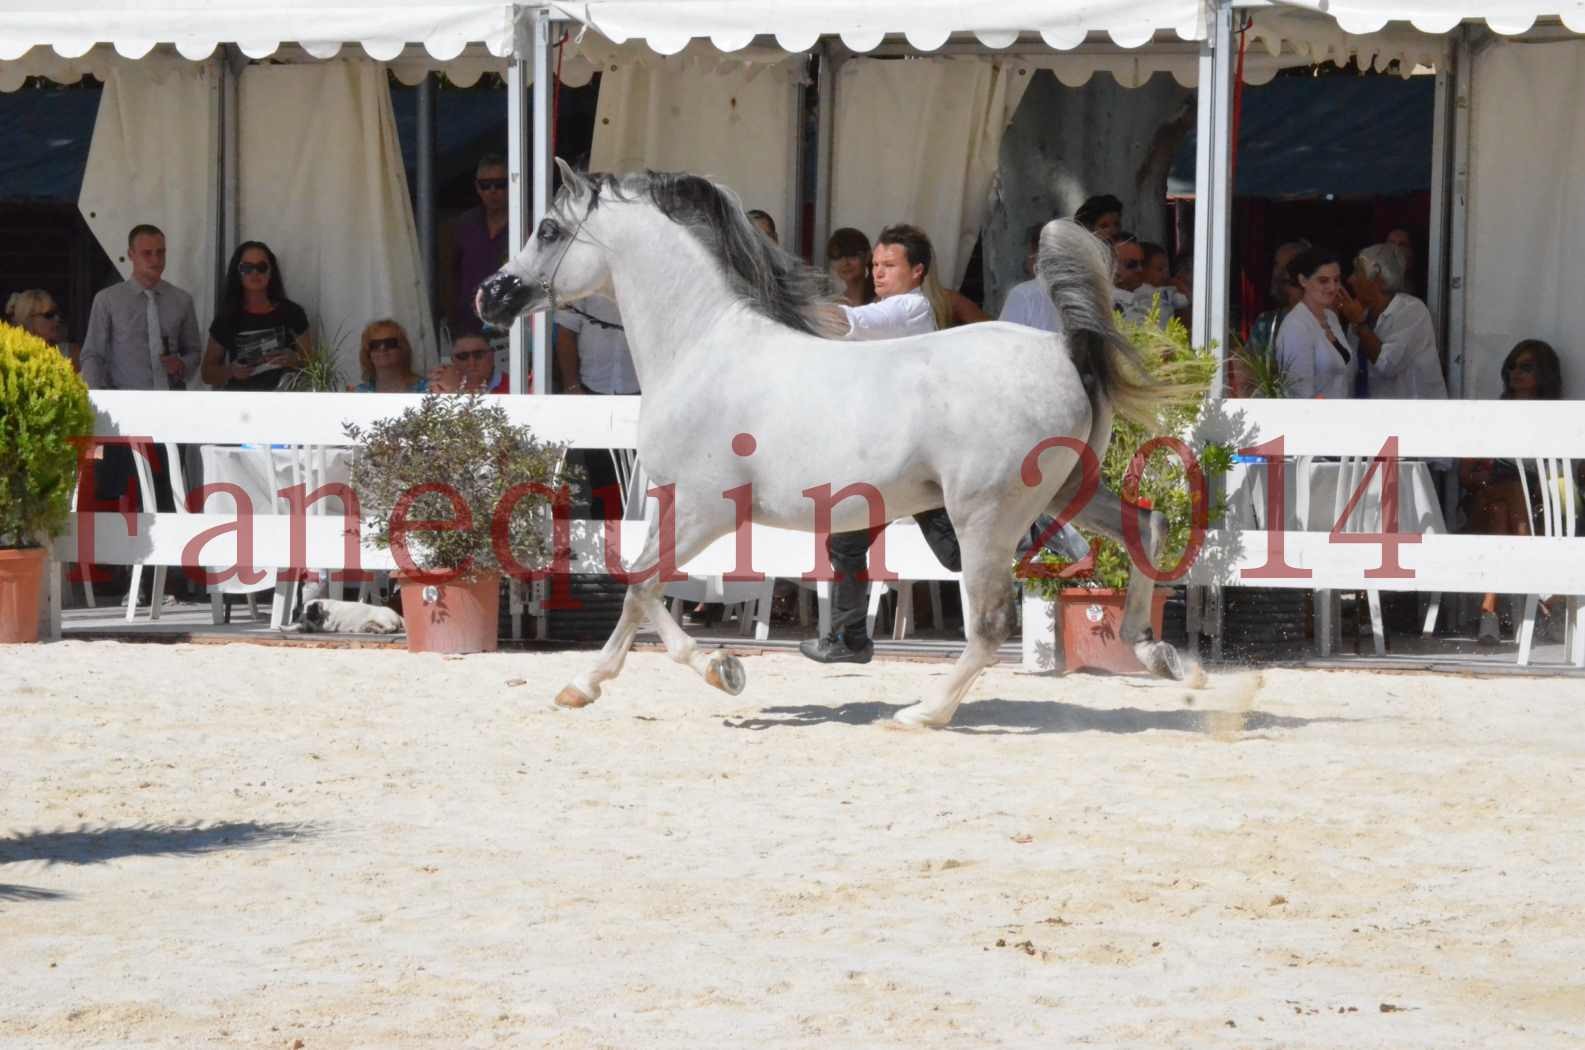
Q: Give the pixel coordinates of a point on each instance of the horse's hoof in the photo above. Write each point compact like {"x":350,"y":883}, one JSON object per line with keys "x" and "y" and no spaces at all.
{"x":726,"y":674}
{"x":1161,"y":659}
{"x":918,"y":716}
{"x":572,"y":697}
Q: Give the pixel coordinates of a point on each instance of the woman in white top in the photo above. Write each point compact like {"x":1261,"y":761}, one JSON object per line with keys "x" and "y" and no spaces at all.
{"x":1311,"y":345}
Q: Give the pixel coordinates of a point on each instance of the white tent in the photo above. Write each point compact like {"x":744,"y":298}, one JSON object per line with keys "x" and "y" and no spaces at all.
{"x":43,"y":37}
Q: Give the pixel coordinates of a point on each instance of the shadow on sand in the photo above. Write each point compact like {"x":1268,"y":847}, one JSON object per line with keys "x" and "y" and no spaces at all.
{"x":9,"y":892}
{"x":1038,"y":716}
{"x":96,"y":845}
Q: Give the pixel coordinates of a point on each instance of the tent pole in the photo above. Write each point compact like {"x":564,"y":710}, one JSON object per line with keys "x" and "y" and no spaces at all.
{"x":519,"y":199}
{"x":426,"y":186}
{"x":542,"y":180}
{"x":825,"y":112}
{"x":1213,"y":190}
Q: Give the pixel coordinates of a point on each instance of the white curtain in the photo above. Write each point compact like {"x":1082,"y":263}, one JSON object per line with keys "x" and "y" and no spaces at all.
{"x":152,"y":159}
{"x":1527,"y":210}
{"x":917,"y":141}
{"x":322,"y":183}
{"x":737,"y":127}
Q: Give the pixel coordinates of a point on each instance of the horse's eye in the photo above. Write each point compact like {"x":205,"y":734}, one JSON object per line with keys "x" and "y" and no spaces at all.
{"x":549,"y":231}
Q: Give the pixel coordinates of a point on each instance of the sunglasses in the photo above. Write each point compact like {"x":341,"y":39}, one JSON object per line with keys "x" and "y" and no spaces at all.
{"x":1133,"y":265}
{"x":490,"y":184}
{"x":390,"y":343}
{"x":258,"y":268}
{"x":471,"y":355}
{"x":1527,"y":367}
{"x":51,"y":315}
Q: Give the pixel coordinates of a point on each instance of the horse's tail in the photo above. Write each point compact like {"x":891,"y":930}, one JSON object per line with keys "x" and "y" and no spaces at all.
{"x":1076,"y":269}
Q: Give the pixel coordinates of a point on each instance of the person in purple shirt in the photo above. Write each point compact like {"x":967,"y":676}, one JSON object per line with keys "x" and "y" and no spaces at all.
{"x":478,"y":245}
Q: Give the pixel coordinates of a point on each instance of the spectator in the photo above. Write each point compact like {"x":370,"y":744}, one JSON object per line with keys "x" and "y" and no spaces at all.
{"x":1156,"y":284}
{"x":1284,"y":294}
{"x":142,"y":333}
{"x":1029,"y":303}
{"x":386,"y":358}
{"x":1494,"y":495}
{"x":592,"y":351}
{"x":848,"y":256}
{"x":35,"y":311}
{"x":479,"y":244}
{"x":471,"y":370}
{"x":1392,"y":328}
{"x":766,"y":224}
{"x":951,"y":308}
{"x":1311,"y":346}
{"x":258,"y":331}
{"x":1128,"y":276}
{"x":1402,"y":240}
{"x":1102,"y":215}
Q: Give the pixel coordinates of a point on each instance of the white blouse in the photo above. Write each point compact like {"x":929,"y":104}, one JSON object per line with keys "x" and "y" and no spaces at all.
{"x":1310,"y":363}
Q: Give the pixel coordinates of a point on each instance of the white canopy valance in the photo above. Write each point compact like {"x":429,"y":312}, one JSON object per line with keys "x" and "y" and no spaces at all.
{"x":196,"y":27}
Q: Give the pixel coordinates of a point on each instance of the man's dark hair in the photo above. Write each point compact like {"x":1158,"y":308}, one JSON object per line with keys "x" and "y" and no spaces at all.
{"x":1090,"y":211}
{"x":914,"y":242}
{"x":1151,"y":250}
{"x":489,"y":160}
{"x":143,"y":229}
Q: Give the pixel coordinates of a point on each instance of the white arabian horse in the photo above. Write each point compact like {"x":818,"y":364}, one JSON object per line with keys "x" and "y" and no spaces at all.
{"x":730,"y":335}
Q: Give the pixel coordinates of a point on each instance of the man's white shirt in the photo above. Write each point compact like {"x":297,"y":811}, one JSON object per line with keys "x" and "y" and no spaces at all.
{"x":1030,"y":304}
{"x":1408,"y":365}
{"x":892,"y":318}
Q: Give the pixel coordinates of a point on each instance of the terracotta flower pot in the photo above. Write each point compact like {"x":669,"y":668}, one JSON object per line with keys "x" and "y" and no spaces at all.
{"x":455,"y":617}
{"x":21,"y":575}
{"x":1091,"y":622}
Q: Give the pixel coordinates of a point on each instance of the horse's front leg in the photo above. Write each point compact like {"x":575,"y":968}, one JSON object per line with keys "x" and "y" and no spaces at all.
{"x":1104,"y":514}
{"x":643,"y":600}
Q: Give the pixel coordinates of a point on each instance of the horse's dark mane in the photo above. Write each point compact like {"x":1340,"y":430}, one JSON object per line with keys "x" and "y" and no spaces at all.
{"x":767,"y":279}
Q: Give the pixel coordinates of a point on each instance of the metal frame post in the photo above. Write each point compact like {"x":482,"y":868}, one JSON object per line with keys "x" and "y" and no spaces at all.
{"x":519,"y":199}
{"x":1441,"y":173}
{"x":825,"y":136}
{"x":1213,"y":190}
{"x":541,"y":181}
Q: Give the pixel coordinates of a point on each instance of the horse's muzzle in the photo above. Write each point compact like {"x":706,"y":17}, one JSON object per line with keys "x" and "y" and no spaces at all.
{"x":502,"y":297}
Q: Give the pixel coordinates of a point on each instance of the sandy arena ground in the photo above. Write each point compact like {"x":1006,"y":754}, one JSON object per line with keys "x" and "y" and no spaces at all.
{"x":268,"y":847}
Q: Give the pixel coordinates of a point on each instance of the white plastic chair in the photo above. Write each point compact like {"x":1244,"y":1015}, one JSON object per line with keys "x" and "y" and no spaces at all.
{"x":1557,"y":515}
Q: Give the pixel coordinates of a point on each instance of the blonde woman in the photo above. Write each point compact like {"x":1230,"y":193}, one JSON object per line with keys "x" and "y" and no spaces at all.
{"x":386,"y":357}
{"x":35,"y":311}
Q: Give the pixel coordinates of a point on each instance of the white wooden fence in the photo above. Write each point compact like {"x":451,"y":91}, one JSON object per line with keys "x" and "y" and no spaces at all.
{"x":1425,"y":429}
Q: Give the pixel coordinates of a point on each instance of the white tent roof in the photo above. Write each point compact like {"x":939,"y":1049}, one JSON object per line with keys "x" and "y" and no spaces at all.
{"x":258,"y":27}
{"x":668,"y":25}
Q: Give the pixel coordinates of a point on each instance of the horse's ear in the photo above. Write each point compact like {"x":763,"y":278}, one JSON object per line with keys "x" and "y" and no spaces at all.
{"x":576,"y":184}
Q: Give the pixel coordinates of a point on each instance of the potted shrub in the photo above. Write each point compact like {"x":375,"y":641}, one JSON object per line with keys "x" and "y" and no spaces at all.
{"x":43,"y":406}
{"x":1088,"y":609}
{"x":444,"y":487}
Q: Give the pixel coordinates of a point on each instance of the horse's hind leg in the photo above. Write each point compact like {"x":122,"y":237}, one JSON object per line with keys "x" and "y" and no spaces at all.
{"x":643,"y":600}
{"x":987,"y":546}
{"x":1104,"y":514}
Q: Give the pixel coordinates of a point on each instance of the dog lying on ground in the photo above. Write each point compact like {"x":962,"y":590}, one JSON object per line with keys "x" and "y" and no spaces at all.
{"x":327,"y":616}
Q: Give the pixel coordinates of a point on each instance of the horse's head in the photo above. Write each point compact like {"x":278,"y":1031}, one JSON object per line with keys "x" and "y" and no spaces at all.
{"x":560,"y":263}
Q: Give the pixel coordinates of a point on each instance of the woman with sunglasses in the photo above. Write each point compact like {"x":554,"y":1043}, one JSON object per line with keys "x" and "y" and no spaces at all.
{"x":386,"y":357}
{"x":1494,"y":497}
{"x":257,"y":333}
{"x":35,"y":311}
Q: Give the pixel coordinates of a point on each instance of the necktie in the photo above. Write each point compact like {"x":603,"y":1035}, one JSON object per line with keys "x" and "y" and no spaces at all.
{"x":151,"y":310}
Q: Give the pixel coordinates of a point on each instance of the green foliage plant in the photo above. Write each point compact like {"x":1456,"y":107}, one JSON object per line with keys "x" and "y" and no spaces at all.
{"x":470,"y":447}
{"x":1185,"y":375}
{"x":317,"y":373}
{"x":43,"y":406}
